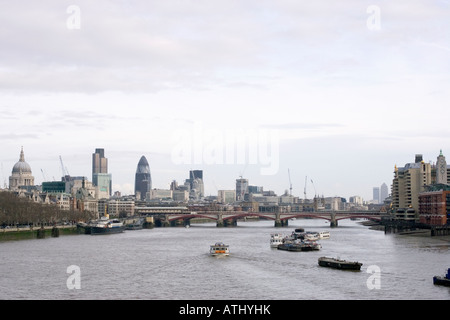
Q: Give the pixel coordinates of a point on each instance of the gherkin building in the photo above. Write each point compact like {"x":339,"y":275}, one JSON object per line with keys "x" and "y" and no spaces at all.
{"x":143,"y":180}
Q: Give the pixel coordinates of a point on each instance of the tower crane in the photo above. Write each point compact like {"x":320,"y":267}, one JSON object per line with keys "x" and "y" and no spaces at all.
{"x":43,"y":174}
{"x":63,"y":169}
{"x":304,"y":191}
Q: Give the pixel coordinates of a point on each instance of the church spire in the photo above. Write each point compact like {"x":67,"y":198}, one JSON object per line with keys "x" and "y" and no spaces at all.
{"x":22,"y":157}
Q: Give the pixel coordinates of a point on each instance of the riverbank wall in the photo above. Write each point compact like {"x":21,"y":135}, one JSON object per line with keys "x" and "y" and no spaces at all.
{"x":36,"y":233}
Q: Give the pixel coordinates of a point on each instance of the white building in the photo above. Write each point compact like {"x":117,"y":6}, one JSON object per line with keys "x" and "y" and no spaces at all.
{"x":21,"y":175}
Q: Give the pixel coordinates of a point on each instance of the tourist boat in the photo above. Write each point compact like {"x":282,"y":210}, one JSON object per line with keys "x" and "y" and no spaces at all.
{"x":107,"y":226}
{"x":324,"y":234}
{"x":219,"y":249}
{"x":276,"y":239}
{"x":442,"y":281}
{"x":339,"y":264}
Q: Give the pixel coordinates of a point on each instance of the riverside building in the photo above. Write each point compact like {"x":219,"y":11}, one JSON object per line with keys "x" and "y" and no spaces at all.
{"x":413,"y":180}
{"x":408,"y":182}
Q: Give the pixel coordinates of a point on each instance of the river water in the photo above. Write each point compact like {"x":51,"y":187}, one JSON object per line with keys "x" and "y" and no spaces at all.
{"x":174,"y":263}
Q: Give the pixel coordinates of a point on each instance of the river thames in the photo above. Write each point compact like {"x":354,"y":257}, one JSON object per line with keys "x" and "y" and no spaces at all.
{"x":174,"y":264}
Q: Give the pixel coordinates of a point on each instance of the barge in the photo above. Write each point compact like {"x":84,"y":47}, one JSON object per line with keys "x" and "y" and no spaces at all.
{"x":339,"y":264}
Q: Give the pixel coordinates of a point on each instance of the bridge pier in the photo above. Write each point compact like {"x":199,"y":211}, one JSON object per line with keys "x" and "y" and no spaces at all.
{"x":281,"y":223}
{"x":230,"y":223}
{"x":333,"y":221}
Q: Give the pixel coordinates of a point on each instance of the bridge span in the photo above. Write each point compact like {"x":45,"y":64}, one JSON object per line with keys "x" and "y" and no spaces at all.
{"x":230,"y":218}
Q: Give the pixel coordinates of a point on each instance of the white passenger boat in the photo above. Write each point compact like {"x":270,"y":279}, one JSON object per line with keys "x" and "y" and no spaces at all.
{"x":275,"y":240}
{"x":219,"y":249}
{"x":324,"y":234}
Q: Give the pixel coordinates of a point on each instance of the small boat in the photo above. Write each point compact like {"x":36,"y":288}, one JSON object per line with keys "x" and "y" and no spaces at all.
{"x":339,"y":264}
{"x":107,"y":226}
{"x":324,"y":234}
{"x":219,"y":249}
{"x":442,"y":281}
{"x":276,"y":239}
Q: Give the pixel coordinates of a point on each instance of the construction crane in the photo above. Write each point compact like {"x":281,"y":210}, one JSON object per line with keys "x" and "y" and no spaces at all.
{"x":63,"y":169}
{"x":43,"y":174}
{"x":304,"y":191}
{"x":290,"y":183}
{"x":315,"y":193}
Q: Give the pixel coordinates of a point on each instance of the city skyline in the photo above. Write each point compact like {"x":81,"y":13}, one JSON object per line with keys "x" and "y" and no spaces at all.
{"x":338,"y":94}
{"x":143,"y":167}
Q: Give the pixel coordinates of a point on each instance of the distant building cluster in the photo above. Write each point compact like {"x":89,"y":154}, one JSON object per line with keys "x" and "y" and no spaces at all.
{"x":420,"y":191}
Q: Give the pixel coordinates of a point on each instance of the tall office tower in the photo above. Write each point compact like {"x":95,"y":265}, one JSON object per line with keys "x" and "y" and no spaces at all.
{"x":143,"y":179}
{"x":21,"y":175}
{"x":99,"y":162}
{"x":197,"y":189}
{"x":376,"y":195}
{"x":441,"y":169}
{"x":241,"y":189}
{"x":384,"y":192}
{"x":194,"y":174}
{"x":100,"y":176}
{"x":408,"y":182}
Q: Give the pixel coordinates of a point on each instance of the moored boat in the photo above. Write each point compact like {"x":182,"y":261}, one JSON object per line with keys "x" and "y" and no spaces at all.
{"x":339,"y":264}
{"x":442,"y":281}
{"x":135,"y":224}
{"x":296,"y":246}
{"x":219,"y":249}
{"x":313,"y":244}
{"x":310,"y":235}
{"x":276,"y":239}
{"x":107,"y":226}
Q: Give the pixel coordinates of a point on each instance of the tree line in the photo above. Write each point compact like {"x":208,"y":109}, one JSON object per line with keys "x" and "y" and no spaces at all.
{"x":22,"y":211}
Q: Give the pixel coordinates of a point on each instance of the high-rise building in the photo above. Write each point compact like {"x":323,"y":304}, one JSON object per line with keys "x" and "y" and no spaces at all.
{"x":196,"y":186}
{"x":143,"y":180}
{"x":100,"y":176}
{"x":99,"y":162}
{"x":21,"y":175}
{"x":441,"y":169}
{"x":408,"y":182}
{"x":376,"y":195}
{"x":384,"y":192}
{"x":241,"y":189}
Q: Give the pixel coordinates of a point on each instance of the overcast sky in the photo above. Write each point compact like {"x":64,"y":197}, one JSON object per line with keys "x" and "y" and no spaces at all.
{"x":335,"y":91}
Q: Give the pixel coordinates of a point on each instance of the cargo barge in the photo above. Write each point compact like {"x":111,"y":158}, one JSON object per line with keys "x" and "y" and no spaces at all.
{"x":339,"y":264}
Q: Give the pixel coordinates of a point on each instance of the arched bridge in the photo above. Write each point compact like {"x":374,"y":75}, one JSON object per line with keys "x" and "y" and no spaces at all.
{"x":229,"y":218}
